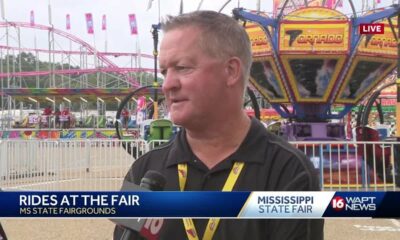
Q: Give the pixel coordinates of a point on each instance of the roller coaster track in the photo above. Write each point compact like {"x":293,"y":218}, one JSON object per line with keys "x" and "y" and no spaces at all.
{"x":115,"y":54}
{"x":107,"y":65}
{"x":76,"y":71}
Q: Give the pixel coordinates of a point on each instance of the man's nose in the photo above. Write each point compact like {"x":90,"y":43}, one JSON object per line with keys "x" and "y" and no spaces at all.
{"x":171,"y":81}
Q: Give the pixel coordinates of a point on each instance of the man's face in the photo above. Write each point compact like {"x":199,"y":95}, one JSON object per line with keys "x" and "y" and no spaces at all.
{"x":193,"y":83}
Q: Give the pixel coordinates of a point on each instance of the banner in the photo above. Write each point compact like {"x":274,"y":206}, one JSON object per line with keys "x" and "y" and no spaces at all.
{"x":132,"y":24}
{"x":325,"y":37}
{"x":104,"y":23}
{"x":141,"y":110}
{"x":258,"y":205}
{"x":67,"y":22}
{"x":330,"y":3}
{"x":293,"y":6}
{"x":89,"y":23}
{"x":32,"y":18}
{"x":260,"y":44}
{"x":141,"y":103}
{"x":385,"y":44}
{"x":150,"y":3}
{"x":275,"y":6}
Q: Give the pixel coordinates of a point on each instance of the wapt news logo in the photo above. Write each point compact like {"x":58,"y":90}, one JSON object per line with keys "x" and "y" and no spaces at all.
{"x":354,"y":203}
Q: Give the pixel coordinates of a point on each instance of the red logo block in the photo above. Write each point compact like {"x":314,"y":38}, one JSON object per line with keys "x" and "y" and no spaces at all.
{"x":372,"y":28}
{"x":338,"y":203}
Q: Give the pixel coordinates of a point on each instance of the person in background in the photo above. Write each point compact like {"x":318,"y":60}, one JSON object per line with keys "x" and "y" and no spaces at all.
{"x":65,"y":118}
{"x":45,"y":119}
{"x":125,"y":118}
{"x":205,"y":58}
{"x":57,"y":114}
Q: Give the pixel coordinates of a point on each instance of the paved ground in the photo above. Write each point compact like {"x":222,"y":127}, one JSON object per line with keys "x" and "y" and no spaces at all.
{"x":362,"y":229}
{"x":63,"y":229}
{"x":83,"y":229}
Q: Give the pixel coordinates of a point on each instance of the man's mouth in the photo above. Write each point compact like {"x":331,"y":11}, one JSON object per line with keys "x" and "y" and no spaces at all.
{"x":177,"y":100}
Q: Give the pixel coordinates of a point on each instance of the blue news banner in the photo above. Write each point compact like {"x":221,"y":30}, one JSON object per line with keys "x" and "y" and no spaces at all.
{"x":200,"y":204}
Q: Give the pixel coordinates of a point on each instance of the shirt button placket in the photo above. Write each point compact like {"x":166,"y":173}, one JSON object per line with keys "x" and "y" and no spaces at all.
{"x":206,"y":180}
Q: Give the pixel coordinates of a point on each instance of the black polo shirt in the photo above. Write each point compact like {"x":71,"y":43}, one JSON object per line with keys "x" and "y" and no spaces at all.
{"x":271,"y":164}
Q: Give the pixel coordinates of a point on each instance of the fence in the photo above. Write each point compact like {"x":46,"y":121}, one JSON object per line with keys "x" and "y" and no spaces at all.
{"x":83,"y":165}
{"x":355,"y":165}
{"x":66,"y":165}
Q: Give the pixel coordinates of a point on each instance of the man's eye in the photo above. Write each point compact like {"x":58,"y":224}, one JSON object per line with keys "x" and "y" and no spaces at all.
{"x":164,"y":72}
{"x":181,"y":68}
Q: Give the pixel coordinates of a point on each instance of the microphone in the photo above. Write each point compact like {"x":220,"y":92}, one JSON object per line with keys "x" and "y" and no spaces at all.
{"x":141,"y":228}
{"x":2,"y":233}
{"x":153,"y":180}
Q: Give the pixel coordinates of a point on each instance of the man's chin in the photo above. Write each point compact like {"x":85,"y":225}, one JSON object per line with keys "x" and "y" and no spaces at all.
{"x":179,"y":120}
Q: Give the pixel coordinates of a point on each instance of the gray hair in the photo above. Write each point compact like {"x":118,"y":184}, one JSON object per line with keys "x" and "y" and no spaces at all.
{"x":222,"y":37}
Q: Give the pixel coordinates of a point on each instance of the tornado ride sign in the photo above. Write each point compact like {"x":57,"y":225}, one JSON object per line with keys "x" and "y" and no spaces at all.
{"x":260,"y":44}
{"x":384,"y":43}
{"x":314,"y":29}
{"x":315,"y":37}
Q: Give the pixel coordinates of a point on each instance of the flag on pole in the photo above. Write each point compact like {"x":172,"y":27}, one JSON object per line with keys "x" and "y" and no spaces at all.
{"x":67,"y":22}
{"x":141,"y":110}
{"x":201,"y":3}
{"x":181,"y":7}
{"x":132,"y":24}
{"x":149,"y":5}
{"x":330,"y":3}
{"x":275,"y":7}
{"x":104,"y":23}
{"x":89,"y":23}
{"x":32,"y":21}
{"x":141,"y":103}
{"x":50,"y":18}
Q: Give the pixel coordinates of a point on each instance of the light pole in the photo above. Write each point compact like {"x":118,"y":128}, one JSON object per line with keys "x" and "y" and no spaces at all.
{"x":154,"y":31}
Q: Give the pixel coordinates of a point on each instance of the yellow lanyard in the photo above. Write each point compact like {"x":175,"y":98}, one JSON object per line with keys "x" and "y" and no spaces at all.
{"x":212,"y":222}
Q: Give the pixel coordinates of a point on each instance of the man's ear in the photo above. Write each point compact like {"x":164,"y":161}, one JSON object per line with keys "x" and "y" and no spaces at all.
{"x":233,"y":70}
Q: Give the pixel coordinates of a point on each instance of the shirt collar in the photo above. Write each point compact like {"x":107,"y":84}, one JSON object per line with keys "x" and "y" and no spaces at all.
{"x":180,"y":150}
{"x":251,"y":150}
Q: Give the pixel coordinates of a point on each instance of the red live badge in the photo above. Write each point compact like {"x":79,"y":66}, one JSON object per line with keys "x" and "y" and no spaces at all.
{"x":372,"y":28}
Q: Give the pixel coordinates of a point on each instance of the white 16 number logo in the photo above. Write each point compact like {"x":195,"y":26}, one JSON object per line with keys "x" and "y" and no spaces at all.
{"x":338,"y":203}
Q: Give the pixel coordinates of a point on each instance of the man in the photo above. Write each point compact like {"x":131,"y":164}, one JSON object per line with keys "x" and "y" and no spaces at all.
{"x":205,"y":58}
{"x":125,"y":118}
{"x":65,"y":118}
{"x":57,"y":115}
{"x":45,"y":119}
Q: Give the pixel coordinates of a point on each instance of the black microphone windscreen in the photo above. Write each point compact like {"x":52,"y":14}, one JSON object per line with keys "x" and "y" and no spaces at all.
{"x":153,"y":180}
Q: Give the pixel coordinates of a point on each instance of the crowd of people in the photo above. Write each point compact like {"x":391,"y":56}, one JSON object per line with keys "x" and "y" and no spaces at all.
{"x":49,"y":118}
